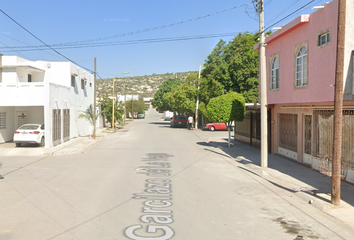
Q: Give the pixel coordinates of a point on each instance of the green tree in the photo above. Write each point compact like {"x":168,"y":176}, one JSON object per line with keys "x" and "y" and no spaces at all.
{"x":138,"y":106}
{"x":90,"y":116}
{"x":182,"y":97}
{"x":235,"y":66}
{"x":158,"y":100}
{"x":226,"y":109}
{"x":106,"y":106}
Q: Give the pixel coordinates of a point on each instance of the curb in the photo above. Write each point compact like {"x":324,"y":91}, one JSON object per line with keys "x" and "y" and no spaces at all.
{"x":79,"y":150}
{"x":266,"y":175}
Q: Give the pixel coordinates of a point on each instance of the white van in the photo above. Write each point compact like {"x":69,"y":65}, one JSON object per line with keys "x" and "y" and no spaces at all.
{"x":168,"y":115}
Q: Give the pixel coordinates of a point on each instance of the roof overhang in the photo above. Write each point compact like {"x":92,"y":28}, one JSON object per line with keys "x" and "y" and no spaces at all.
{"x":296,"y":23}
{"x":33,"y":69}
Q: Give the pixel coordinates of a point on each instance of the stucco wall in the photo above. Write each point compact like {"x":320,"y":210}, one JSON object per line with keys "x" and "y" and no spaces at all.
{"x":321,"y":60}
{"x":35,"y":115}
{"x":8,"y":133}
{"x":349,"y":51}
{"x":9,"y":76}
{"x":75,"y":99}
{"x":50,"y":89}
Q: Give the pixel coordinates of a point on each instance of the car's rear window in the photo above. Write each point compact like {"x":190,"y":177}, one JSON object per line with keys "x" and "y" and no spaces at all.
{"x":29,"y":127}
{"x":180,"y":118}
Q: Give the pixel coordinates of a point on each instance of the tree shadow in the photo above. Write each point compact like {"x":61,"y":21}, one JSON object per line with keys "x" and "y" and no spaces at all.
{"x":283,"y":168}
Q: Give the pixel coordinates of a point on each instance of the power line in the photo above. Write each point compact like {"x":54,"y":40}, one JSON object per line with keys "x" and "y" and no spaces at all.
{"x":289,"y":15}
{"x":42,"y":41}
{"x":105,"y":44}
{"x":23,"y":43}
{"x":282,"y":12}
{"x":115,"y":36}
{"x":151,"y":29}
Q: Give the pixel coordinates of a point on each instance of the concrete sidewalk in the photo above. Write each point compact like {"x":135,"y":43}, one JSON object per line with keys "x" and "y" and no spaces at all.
{"x":77,"y":145}
{"x":73,"y":146}
{"x":291,"y":176}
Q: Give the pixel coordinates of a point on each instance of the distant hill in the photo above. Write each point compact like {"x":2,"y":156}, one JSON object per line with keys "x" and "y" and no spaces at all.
{"x":145,"y":86}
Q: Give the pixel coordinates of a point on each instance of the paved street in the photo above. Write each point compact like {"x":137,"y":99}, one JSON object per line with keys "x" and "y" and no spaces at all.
{"x":149,"y":181}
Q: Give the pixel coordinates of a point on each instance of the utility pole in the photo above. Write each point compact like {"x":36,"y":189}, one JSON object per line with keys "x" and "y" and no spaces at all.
{"x":113,"y":105}
{"x":338,"y":107}
{"x":125,"y":102}
{"x":196,"y":105}
{"x":263,"y":85}
{"x":132,"y":108}
{"x":94,"y":104}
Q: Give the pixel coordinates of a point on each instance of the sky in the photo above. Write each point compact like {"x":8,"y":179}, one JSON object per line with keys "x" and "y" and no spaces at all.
{"x":142,"y":37}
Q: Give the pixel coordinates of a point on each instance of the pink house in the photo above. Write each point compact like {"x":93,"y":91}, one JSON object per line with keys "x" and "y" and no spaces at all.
{"x":301,"y":67}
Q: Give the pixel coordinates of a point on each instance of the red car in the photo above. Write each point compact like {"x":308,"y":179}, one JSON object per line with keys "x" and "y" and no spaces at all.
{"x":215,"y":126}
{"x":178,"y":121}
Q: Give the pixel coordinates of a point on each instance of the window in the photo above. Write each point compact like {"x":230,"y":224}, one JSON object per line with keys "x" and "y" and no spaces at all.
{"x":323,"y":39}
{"x":82,"y":83}
{"x":301,"y":68}
{"x":2,"y":120}
{"x":72,"y":80}
{"x":274,"y":78}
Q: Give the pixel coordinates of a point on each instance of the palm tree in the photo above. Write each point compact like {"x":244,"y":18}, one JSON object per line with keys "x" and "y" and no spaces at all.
{"x":89,"y":115}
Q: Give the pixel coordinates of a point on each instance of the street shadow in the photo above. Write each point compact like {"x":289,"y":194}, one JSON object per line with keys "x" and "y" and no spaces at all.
{"x":160,"y":123}
{"x":245,"y":154}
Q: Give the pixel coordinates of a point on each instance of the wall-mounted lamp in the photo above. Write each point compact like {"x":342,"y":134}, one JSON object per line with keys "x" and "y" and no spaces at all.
{"x":56,"y":100}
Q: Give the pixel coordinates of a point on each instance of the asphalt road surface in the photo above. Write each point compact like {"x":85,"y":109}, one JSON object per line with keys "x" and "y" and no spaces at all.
{"x":151,"y":182}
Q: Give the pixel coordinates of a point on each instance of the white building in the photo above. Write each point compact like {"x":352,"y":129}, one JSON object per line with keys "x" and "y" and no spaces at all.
{"x":123,"y":98}
{"x":53,"y":93}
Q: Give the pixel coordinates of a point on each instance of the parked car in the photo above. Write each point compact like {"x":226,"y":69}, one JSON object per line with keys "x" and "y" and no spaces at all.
{"x":178,"y":121}
{"x":215,"y":126}
{"x":141,"y":115}
{"x":29,"y":133}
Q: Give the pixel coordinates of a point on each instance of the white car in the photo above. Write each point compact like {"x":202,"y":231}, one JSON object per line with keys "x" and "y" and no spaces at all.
{"x":29,"y":133}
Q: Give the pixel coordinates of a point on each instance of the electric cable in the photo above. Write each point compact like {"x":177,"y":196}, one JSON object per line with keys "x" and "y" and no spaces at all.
{"x":267,"y":28}
{"x":42,"y":41}
{"x":129,"y":42}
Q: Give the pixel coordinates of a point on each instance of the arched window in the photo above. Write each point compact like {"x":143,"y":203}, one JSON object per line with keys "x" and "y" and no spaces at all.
{"x":274,"y":78}
{"x":301,"y":68}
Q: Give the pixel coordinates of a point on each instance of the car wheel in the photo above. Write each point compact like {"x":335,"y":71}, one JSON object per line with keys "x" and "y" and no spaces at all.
{"x":211,"y":128}
{"x":18,"y":144}
{"x":42,"y":142}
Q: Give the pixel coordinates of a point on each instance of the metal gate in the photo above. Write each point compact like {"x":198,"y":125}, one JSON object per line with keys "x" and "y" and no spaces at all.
{"x":56,"y":126}
{"x":288,"y":131}
{"x":66,"y":124}
{"x":323,"y":129}
{"x":308,"y":134}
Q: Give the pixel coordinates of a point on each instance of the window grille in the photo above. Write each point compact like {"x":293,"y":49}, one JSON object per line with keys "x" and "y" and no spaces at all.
{"x":2,"y":120}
